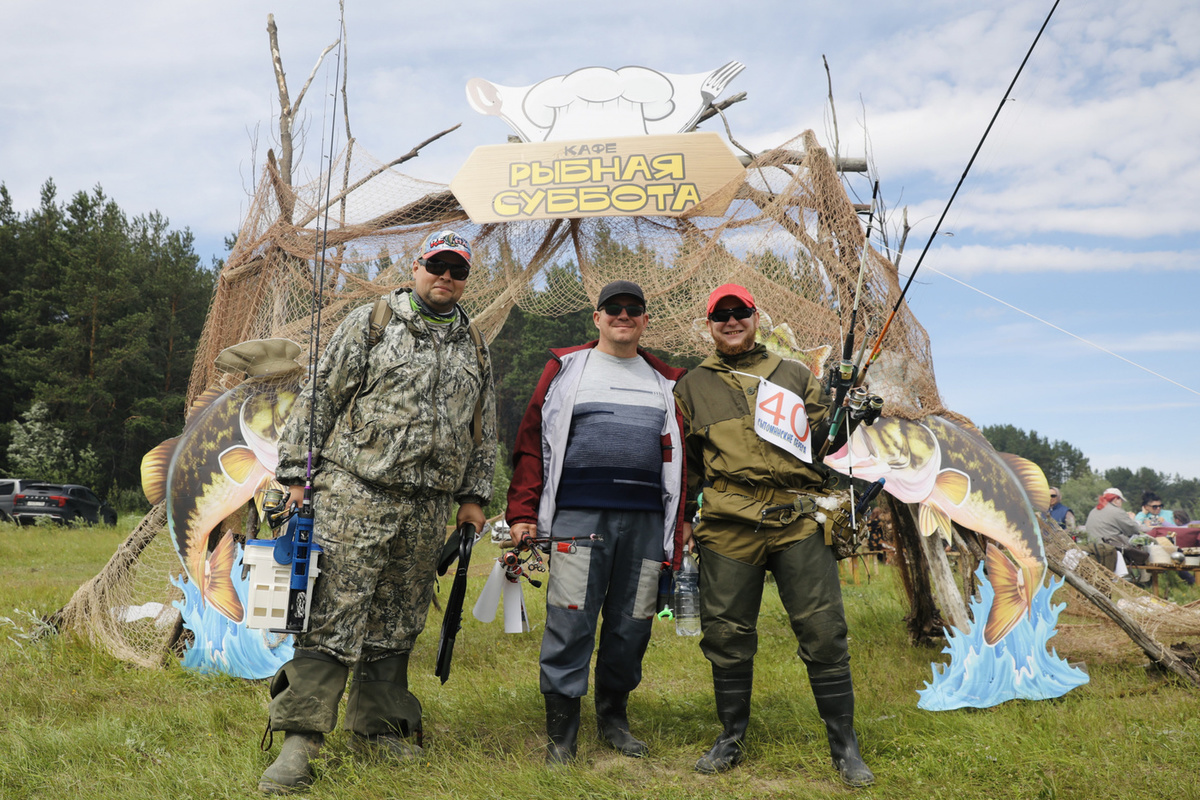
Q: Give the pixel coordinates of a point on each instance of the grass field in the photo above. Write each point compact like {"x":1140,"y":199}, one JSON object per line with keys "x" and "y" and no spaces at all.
{"x":76,"y":723}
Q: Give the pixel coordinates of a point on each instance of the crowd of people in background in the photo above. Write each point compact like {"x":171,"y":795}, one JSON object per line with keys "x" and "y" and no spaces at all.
{"x":1119,"y":537}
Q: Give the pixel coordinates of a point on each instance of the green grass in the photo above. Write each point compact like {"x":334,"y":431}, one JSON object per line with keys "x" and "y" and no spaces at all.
{"x":76,"y":723}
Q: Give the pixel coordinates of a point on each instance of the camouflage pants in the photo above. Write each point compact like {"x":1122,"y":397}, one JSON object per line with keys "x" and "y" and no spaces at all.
{"x":377,"y":570}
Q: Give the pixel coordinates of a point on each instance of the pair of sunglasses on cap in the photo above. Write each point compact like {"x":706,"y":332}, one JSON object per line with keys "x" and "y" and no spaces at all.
{"x":725,"y":314}
{"x":458,"y":272}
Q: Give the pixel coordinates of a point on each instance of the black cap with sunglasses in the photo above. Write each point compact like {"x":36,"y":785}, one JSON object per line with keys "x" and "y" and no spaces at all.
{"x":616,"y":289}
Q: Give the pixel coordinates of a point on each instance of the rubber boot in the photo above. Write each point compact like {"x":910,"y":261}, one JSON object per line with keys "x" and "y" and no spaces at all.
{"x":304,"y":699}
{"x":732,"y":689}
{"x":291,"y":772}
{"x":383,"y":715}
{"x":562,"y":726}
{"x":835,"y":704}
{"x":612,"y":721}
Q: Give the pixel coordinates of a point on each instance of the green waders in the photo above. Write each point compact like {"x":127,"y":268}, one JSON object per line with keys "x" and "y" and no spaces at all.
{"x":381,"y":711}
{"x":730,"y":598}
{"x":304,"y":699}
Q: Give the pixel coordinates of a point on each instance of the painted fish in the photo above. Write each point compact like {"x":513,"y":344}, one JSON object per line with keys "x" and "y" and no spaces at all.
{"x":226,"y":454}
{"x":954,"y":474}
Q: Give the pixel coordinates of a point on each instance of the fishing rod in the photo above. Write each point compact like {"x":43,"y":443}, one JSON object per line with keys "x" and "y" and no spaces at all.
{"x":879,"y":341}
{"x":844,"y":375}
{"x":300,"y":527}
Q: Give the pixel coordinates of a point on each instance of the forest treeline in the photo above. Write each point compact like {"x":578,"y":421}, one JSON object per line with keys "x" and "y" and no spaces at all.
{"x":100,"y":314}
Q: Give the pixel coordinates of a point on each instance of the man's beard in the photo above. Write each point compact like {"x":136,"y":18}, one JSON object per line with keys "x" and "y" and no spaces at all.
{"x":733,"y":350}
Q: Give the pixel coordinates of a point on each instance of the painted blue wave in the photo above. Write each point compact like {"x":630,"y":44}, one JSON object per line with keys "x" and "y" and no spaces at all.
{"x":225,"y":647}
{"x":1018,"y":667}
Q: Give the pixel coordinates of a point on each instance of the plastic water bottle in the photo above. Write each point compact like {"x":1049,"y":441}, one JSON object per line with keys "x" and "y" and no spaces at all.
{"x":687,"y":597}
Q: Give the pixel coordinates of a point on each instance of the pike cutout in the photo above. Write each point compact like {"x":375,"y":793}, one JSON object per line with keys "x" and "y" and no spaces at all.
{"x":225,"y":456}
{"x":954,"y":474}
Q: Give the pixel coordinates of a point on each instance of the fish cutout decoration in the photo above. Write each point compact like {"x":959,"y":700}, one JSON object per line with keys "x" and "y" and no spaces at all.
{"x":953,"y":474}
{"x":225,"y":457}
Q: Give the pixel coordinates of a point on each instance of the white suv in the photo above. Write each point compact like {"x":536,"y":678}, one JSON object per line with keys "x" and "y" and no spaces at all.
{"x":8,"y":488}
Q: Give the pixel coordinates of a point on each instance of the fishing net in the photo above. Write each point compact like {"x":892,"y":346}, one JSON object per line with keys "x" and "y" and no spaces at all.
{"x":790,"y":234}
{"x":127,"y":608}
{"x":1160,"y":619}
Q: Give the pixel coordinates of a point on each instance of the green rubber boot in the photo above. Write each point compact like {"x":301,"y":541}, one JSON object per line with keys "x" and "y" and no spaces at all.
{"x":292,"y":771}
{"x":383,"y":715}
{"x":835,"y":704}
{"x":562,"y":728}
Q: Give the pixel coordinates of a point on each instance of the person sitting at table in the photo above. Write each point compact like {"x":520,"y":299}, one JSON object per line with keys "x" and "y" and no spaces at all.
{"x":1110,"y":528}
{"x":1153,"y":515}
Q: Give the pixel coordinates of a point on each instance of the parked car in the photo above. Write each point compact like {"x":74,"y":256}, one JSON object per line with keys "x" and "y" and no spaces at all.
{"x":64,"y":503}
{"x":8,"y":489}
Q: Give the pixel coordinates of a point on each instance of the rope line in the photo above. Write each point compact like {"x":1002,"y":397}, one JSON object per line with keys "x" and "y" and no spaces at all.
{"x":1064,"y":330}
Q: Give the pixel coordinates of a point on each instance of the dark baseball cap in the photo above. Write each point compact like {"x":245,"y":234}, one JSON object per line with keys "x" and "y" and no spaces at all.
{"x":617,"y":288}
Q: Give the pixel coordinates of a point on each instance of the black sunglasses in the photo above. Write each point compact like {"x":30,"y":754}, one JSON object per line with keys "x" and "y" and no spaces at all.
{"x":615,"y":309}
{"x":438,"y":268}
{"x":725,"y":314}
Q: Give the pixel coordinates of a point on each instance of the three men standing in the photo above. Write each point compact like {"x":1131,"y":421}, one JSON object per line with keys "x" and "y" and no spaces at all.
{"x":611,"y":444}
{"x":598,"y":475}
{"x":401,"y":429}
{"x":739,"y":538}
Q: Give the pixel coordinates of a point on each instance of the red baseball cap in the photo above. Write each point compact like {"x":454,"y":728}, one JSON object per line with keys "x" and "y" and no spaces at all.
{"x":730,"y":290}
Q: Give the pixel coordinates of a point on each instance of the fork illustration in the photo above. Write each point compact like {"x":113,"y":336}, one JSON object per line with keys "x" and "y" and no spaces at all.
{"x":712,"y":86}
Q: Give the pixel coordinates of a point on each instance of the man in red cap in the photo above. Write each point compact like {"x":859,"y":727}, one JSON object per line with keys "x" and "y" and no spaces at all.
{"x":403,"y":427}
{"x":752,"y":422}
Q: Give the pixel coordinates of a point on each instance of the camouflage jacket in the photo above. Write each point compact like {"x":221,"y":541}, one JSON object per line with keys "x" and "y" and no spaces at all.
{"x":725,"y":457}
{"x":398,"y":415}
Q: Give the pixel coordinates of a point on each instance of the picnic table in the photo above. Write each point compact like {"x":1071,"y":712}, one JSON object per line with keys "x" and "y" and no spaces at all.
{"x":1157,"y":569}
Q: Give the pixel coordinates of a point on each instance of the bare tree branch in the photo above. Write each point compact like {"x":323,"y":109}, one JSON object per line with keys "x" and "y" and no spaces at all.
{"x":837,"y":151}
{"x":411,"y":154}
{"x":288,"y":109}
{"x":714,"y":108}
{"x":313,"y":74}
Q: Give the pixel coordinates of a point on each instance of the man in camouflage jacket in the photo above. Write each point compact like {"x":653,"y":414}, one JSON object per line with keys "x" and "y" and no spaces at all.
{"x":393,"y":447}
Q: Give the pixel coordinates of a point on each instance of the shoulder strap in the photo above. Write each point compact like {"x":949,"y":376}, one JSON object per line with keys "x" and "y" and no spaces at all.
{"x":381,"y":315}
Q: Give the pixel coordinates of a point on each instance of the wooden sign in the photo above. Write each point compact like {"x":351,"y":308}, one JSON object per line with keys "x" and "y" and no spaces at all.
{"x":669,"y":175}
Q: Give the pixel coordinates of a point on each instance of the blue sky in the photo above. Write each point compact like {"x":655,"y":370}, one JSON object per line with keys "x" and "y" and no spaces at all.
{"x":1081,"y":210}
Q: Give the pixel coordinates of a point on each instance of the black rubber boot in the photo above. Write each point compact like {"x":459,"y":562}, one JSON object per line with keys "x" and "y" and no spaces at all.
{"x":383,"y":714}
{"x":835,"y":704}
{"x":612,"y":721}
{"x":562,"y":726}
{"x":732,"y":689}
{"x":291,"y":771}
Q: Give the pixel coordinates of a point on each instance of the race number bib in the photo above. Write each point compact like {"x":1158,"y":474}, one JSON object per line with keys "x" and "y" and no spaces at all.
{"x":782,"y":420}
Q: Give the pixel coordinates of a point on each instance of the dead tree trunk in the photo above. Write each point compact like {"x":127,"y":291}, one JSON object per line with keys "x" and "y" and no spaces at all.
{"x":924,"y":620}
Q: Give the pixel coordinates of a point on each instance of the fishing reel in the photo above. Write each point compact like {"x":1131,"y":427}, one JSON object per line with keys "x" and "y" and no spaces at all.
{"x":275,"y":509}
{"x":516,"y":567}
{"x":864,"y":406}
